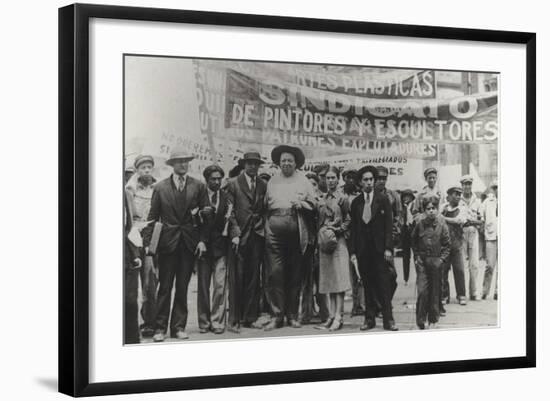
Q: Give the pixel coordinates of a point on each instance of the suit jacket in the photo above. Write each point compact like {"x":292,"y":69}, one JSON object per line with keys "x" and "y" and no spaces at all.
{"x":131,"y":252}
{"x":379,"y":227}
{"x":173,"y":210}
{"x":217,"y":243}
{"x":248,"y":208}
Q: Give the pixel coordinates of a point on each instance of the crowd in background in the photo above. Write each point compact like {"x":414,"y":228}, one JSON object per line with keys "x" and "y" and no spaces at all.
{"x":292,"y":244}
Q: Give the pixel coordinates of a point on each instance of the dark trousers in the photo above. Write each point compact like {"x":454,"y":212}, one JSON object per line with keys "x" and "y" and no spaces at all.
{"x":310,"y":288}
{"x":377,"y":280}
{"x":149,"y":283}
{"x":406,"y":252}
{"x":428,"y":279}
{"x":131,"y":328}
{"x":357,"y":293}
{"x":456,"y":261}
{"x":211,"y":313}
{"x":244,"y":281}
{"x":177,"y":266}
{"x":285,"y":266}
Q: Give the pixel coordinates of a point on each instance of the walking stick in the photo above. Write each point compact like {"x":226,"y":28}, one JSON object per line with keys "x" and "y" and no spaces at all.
{"x":229,"y":262}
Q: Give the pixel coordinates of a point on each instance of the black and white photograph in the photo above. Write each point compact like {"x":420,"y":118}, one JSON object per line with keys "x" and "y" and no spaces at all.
{"x":278,"y":199}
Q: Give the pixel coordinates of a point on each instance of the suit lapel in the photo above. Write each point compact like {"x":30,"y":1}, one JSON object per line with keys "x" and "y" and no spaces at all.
{"x":243,"y":183}
{"x":375,"y":204}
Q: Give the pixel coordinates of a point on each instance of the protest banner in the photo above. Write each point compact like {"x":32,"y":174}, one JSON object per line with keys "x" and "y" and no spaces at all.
{"x":408,"y":111}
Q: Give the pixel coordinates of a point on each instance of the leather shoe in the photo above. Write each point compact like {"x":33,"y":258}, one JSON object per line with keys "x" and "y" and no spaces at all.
{"x":325,"y":325}
{"x":272,"y":325}
{"x":421,"y":325}
{"x":294,"y":324}
{"x":218,"y":330}
{"x":391,"y":327}
{"x":147,"y":332}
{"x":234,"y":329}
{"x":203,"y":330}
{"x":337,"y":324}
{"x":368,"y":325}
{"x":158,"y":337}
{"x":495,"y":297}
{"x":253,"y":325}
{"x":182,"y":335}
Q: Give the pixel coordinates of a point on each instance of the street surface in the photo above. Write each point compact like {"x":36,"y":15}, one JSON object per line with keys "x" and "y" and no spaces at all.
{"x":474,"y":314}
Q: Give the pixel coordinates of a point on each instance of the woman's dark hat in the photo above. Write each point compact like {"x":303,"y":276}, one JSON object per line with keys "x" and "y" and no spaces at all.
{"x":297,"y":152}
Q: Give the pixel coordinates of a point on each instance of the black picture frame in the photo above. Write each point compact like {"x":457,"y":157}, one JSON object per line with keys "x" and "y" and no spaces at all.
{"x":74,"y":198}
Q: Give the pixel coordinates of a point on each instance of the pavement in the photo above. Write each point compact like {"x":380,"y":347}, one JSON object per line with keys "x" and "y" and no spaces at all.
{"x":481,"y":313}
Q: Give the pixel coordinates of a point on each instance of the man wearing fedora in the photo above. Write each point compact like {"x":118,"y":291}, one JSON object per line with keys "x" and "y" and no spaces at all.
{"x":471,"y":234}
{"x":454,"y":214}
{"x":246,"y":193}
{"x":140,"y":187}
{"x":175,"y":200}
{"x":290,"y":234}
{"x":371,"y":247}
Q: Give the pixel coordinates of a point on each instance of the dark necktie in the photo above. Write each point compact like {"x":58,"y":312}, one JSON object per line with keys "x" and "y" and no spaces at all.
{"x":253,"y":188}
{"x":215,"y":199}
{"x":181,"y":183}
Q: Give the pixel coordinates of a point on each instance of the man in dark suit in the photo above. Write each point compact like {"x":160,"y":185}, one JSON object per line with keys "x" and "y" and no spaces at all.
{"x":132,"y":265}
{"x":220,"y":221}
{"x":372,"y":247}
{"x":246,"y":193}
{"x":176,"y":202}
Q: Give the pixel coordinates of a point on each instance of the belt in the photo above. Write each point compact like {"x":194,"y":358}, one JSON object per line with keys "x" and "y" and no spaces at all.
{"x":282,"y":212}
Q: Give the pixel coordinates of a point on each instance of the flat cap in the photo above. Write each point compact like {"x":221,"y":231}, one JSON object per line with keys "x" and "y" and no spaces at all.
{"x":466,"y":178}
{"x":454,"y":189}
{"x":143,"y":159}
{"x":430,"y":170}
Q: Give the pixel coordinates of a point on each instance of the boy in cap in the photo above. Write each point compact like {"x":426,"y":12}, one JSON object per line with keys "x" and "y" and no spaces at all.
{"x":140,"y":187}
{"x":455,"y":216}
{"x":471,"y":235}
{"x":430,"y":241}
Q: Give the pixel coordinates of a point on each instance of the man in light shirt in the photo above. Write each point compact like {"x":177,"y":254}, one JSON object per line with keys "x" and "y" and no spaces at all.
{"x":489,"y":214}
{"x":455,"y":215}
{"x":471,"y":234}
